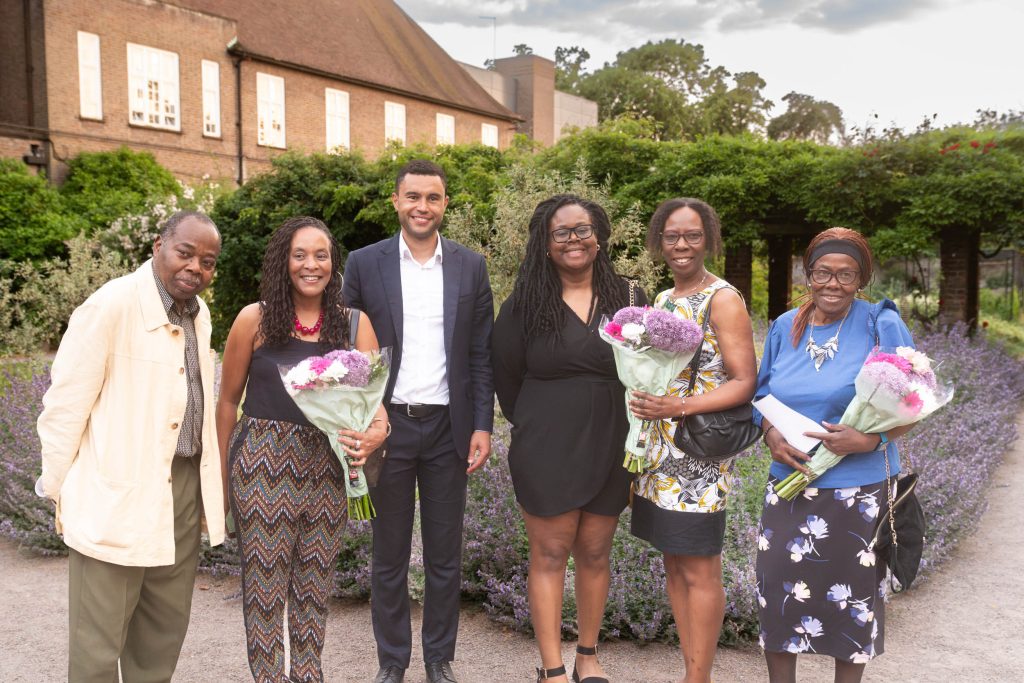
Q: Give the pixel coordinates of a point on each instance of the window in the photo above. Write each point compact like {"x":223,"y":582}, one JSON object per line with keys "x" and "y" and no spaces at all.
{"x":270,"y":110}
{"x":153,"y":87}
{"x":336,"y":102}
{"x":394,"y":122}
{"x":445,"y":129}
{"x":489,"y":134}
{"x":211,"y":99}
{"x":90,"y":87}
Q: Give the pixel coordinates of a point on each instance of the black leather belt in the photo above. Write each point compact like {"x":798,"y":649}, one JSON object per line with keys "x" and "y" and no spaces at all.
{"x":418,"y":410}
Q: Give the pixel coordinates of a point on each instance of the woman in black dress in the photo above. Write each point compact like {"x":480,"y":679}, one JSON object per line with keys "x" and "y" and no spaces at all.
{"x":556,"y":383}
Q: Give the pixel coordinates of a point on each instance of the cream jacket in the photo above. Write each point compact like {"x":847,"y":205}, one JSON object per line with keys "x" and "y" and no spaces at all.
{"x":110,"y":423}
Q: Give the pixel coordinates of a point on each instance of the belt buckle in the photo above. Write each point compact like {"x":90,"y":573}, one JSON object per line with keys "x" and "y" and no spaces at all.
{"x":408,"y":410}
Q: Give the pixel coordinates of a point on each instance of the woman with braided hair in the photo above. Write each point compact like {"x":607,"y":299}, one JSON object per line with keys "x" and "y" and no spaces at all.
{"x":556,"y":382}
{"x":287,"y":489}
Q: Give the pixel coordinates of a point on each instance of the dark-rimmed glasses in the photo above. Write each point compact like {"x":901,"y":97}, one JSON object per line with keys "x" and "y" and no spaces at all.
{"x":581,"y":231}
{"x":820,"y":276}
{"x":693,"y":237}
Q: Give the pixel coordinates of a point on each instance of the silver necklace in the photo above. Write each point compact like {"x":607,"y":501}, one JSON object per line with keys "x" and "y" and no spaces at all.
{"x":700,"y":286}
{"x":828,"y":350}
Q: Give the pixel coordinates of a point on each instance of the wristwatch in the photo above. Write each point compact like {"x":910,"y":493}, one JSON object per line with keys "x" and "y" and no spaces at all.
{"x":883,"y":442}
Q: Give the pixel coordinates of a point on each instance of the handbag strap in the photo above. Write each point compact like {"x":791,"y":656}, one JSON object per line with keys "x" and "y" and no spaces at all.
{"x":631,"y":285}
{"x":353,"y":327}
{"x":695,"y":363}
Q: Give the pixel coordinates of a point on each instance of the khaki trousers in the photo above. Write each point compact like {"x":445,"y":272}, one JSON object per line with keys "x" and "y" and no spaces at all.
{"x":137,"y":615}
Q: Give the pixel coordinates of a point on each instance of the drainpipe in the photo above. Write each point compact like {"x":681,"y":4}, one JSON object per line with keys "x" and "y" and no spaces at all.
{"x":237,"y":61}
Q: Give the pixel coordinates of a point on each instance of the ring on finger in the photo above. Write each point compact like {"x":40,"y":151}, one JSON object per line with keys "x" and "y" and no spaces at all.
{"x":359,"y":444}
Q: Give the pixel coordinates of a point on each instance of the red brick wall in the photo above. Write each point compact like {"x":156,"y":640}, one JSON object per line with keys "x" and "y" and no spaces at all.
{"x":194,"y":37}
{"x":958,"y":286}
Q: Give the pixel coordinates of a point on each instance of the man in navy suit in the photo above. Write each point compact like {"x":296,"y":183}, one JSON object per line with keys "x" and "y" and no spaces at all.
{"x":430,"y":301}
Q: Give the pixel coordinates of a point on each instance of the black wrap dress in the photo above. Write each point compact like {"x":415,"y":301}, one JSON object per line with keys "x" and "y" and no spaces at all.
{"x":568,"y":416}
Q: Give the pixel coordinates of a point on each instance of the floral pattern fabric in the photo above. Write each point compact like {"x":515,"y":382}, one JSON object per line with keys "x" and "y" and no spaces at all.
{"x":820,"y":588}
{"x":676,"y":481}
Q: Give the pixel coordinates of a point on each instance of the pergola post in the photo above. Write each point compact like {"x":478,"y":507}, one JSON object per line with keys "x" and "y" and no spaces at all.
{"x":739,"y":265}
{"x":780,"y":278}
{"x":958,"y":282}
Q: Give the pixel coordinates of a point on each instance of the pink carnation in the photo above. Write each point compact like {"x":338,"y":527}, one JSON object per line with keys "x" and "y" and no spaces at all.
{"x":912,"y":403}
{"x":318,"y":364}
{"x":614,"y":330}
{"x":900,"y":362}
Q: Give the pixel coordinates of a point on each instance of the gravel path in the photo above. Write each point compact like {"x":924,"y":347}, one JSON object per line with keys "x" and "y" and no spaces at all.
{"x":965,"y":623}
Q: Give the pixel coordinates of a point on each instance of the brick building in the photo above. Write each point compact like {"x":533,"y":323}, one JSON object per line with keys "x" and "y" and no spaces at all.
{"x":218,"y":87}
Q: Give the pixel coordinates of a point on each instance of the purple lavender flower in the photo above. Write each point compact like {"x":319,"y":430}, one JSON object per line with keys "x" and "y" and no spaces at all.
{"x":669,"y":332}
{"x":629,"y":314}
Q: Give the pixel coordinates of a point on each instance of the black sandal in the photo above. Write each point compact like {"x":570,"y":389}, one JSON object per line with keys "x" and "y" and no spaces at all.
{"x":581,"y":650}
{"x":545,"y":674}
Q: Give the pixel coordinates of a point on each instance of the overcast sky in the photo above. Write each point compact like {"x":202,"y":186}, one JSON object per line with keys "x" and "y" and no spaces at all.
{"x":899,"y":60}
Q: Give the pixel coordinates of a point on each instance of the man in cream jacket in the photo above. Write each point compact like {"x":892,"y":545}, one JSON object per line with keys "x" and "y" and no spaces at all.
{"x":130,"y":457}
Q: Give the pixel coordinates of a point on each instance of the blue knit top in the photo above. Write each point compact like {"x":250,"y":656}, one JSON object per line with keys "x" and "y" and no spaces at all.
{"x":788,"y":373}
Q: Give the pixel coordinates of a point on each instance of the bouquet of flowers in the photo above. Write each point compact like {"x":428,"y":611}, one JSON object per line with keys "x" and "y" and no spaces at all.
{"x":341,"y":390}
{"x":651,"y":348}
{"x":894,"y":388}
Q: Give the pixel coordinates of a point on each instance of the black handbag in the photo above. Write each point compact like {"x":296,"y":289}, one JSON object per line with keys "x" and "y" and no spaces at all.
{"x":900,"y":534}
{"x":720,"y":434}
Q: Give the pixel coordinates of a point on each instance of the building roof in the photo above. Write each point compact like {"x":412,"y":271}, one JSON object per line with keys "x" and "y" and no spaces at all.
{"x":368,"y":42}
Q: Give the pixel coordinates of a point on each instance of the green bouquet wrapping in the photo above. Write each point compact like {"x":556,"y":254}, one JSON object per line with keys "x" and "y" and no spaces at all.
{"x":341,"y":390}
{"x":651,"y":348}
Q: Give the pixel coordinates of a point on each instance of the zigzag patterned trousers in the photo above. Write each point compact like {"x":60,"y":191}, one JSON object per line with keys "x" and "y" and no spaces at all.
{"x":289,"y":504}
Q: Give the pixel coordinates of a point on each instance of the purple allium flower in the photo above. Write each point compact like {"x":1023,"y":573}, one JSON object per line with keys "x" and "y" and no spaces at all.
{"x":358,"y":366}
{"x":669,"y":332}
{"x":629,"y":314}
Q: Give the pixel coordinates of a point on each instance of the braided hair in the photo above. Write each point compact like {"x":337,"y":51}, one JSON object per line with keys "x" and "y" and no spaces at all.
{"x":538,"y":288}
{"x":276,"y":305}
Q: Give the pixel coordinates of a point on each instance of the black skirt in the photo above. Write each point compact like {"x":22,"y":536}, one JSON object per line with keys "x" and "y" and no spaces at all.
{"x":676,"y":532}
{"x":820,"y":588}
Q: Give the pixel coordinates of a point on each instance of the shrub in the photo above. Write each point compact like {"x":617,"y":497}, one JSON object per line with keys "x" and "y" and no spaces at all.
{"x":36,"y":300}
{"x":33,"y":219}
{"x":104,"y":186}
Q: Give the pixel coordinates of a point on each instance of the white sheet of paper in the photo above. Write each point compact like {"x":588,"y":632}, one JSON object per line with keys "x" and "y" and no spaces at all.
{"x":791,"y":423}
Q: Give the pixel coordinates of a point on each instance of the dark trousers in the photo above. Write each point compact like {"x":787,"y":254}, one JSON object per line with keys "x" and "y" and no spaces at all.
{"x":137,"y":615}
{"x":421,"y":454}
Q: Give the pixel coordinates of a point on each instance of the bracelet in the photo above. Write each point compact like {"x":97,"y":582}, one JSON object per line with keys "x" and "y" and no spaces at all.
{"x":683,"y":401}
{"x":770,"y":428}
{"x":883,"y":441}
{"x":387,"y":425}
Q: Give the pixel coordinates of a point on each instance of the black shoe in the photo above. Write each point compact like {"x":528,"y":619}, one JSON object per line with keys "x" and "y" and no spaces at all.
{"x":390,"y":674}
{"x":545,"y":674}
{"x":440,"y":672}
{"x":580,"y":649}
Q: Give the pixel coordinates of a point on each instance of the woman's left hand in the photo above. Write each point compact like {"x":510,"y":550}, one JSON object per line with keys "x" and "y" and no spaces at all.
{"x":649,"y":407}
{"x":359,"y":445}
{"x":843,"y":440}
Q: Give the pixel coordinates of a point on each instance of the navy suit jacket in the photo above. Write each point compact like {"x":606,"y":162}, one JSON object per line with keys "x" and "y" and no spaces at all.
{"x":373,"y":284}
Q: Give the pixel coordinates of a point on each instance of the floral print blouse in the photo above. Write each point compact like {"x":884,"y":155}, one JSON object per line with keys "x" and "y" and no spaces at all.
{"x":675,"y":481}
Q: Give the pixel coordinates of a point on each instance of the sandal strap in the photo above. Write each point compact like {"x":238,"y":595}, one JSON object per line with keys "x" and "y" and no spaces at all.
{"x":582,"y":650}
{"x":543,"y":674}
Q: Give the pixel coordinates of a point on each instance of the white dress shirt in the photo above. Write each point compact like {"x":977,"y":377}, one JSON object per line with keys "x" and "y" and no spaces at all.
{"x":423,"y":373}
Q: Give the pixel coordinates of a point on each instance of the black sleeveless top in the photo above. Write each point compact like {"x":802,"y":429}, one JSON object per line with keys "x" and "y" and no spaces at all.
{"x":265,"y":396}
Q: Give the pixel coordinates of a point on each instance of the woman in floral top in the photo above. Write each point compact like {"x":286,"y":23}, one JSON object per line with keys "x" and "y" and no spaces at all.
{"x":679,"y":502}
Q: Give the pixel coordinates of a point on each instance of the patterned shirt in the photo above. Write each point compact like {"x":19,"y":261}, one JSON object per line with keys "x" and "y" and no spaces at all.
{"x":190,"y":438}
{"x":676,"y":481}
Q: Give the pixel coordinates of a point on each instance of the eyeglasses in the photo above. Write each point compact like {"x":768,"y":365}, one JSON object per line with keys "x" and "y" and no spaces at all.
{"x":581,"y":231}
{"x":693,"y":237}
{"x":820,"y":276}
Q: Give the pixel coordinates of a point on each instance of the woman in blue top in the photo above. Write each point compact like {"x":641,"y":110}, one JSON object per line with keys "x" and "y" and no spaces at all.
{"x":819,"y":586}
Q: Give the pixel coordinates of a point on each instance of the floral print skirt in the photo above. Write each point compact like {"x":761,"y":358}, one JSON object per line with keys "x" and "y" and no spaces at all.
{"x":819,"y":586}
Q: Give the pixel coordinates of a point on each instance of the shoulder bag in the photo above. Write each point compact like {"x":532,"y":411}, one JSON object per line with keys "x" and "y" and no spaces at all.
{"x":720,"y":434}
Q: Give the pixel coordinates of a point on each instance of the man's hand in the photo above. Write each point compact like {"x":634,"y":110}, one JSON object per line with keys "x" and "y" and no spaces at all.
{"x":479,"y":450}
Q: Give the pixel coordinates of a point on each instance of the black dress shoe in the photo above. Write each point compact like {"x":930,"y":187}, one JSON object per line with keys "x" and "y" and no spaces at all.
{"x":440,"y":672}
{"x":390,"y":674}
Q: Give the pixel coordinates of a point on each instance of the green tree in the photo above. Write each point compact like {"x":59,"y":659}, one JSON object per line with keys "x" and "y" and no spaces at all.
{"x":522,"y":49}
{"x":103,"y":186}
{"x":569,"y":69}
{"x":34,"y":222}
{"x":806,"y":118}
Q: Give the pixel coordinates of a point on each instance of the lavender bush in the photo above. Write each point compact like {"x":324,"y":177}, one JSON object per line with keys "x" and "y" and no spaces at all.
{"x":956,"y":452}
